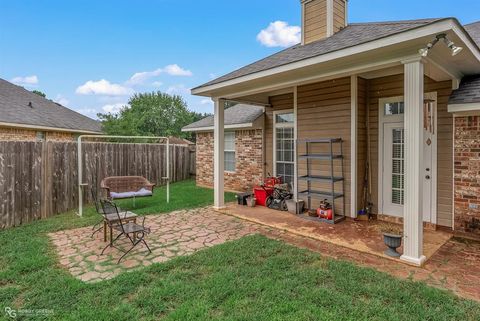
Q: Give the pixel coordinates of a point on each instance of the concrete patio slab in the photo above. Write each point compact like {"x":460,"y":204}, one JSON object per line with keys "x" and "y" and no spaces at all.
{"x":360,"y":236}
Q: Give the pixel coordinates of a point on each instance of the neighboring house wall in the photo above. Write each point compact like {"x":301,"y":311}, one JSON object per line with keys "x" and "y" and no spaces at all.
{"x":392,"y":86}
{"x":20,"y":134}
{"x":467,"y":175}
{"x":248,"y":157}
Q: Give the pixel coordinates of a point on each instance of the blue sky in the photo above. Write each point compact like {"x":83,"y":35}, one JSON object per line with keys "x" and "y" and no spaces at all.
{"x":85,"y":54}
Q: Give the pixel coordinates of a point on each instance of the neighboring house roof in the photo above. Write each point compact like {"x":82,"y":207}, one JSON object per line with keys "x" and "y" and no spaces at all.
{"x":26,"y":109}
{"x":179,"y":141}
{"x":468,"y":92}
{"x":352,"y":35}
{"x":238,"y":116}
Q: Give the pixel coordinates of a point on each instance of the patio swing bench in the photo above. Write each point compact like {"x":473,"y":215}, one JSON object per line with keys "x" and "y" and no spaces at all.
{"x":121,"y":187}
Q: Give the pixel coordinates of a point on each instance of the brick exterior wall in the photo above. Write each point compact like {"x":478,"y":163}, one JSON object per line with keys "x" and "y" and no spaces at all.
{"x":467,"y":175}
{"x":20,"y":134}
{"x":248,"y":156}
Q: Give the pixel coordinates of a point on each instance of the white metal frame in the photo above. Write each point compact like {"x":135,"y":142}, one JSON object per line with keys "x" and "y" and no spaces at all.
{"x":288,"y":125}
{"x":81,"y":184}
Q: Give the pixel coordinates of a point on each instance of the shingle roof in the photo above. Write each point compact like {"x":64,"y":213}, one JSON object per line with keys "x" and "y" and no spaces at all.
{"x":474,"y":30}
{"x":469,"y":89}
{"x":238,"y":114}
{"x":15,"y":108}
{"x":468,"y":92}
{"x":352,"y":35}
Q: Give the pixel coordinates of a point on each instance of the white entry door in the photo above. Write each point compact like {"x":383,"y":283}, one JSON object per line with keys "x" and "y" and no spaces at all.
{"x":392,"y":182}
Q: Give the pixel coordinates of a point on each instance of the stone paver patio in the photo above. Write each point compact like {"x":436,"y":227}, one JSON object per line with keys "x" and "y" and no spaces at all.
{"x":455,"y":266}
{"x":174,"y":234}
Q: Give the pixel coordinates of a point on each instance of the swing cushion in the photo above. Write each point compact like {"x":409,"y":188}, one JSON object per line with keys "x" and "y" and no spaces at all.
{"x":127,"y":187}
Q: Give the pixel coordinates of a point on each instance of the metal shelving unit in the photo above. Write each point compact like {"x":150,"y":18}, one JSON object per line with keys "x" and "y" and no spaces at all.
{"x":332,"y":193}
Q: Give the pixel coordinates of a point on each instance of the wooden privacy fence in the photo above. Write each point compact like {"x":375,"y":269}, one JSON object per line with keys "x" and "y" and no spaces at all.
{"x":40,"y":179}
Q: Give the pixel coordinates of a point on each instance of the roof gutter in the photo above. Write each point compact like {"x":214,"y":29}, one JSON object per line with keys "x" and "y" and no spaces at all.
{"x":419,"y":32}
{"x":46,"y":128}
{"x":209,"y":128}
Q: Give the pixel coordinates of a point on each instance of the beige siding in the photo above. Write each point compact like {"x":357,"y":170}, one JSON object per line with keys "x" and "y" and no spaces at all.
{"x":393,"y":86}
{"x":338,"y":15}
{"x":361,"y":139}
{"x":324,"y":112}
{"x":315,"y":23}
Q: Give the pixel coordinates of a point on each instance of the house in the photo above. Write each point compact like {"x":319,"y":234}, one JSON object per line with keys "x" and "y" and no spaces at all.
{"x":402,"y":96}
{"x":243,"y":148}
{"x":27,"y":116}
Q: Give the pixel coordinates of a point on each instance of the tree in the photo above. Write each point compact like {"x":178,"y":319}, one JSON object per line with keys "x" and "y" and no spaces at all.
{"x":38,"y":92}
{"x":151,"y":114}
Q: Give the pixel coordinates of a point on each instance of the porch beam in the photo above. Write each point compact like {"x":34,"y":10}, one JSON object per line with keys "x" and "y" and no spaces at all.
{"x":413,"y":202}
{"x":218,"y":153}
{"x":353,"y":145}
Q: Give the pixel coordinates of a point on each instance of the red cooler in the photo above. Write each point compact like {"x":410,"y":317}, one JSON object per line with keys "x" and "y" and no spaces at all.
{"x":261,"y":194}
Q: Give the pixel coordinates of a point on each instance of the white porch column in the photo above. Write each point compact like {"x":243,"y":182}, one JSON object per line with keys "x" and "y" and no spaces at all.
{"x":218,"y":153}
{"x":353,"y":145}
{"x":413,"y":205}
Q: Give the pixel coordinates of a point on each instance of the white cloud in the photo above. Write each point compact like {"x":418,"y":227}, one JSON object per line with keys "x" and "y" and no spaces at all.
{"x":178,"y":90}
{"x":89,"y":112}
{"x":172,"y":70}
{"x":103,"y":87}
{"x":176,"y":70}
{"x":206,"y":101}
{"x":157,"y":84}
{"x":113,"y":108}
{"x":25,"y":81}
{"x":61,"y":100}
{"x":280,"y":34}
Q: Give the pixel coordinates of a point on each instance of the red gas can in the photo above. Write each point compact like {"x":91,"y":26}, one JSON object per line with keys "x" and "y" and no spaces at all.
{"x":326,"y":214}
{"x":272,"y":181}
{"x":261,"y":194}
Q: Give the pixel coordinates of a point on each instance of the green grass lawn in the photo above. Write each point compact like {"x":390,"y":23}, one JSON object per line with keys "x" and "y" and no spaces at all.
{"x":250,"y":279}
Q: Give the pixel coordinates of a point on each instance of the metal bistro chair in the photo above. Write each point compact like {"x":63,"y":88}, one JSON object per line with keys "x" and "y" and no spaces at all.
{"x":106,"y":217}
{"x":134,"y":232}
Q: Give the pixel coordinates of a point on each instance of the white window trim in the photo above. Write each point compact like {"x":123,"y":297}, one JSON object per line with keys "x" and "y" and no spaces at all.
{"x":234,"y":151}
{"x":382,"y":118}
{"x":281,"y":125}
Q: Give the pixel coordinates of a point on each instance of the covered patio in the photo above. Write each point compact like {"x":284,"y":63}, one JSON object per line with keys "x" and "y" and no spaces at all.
{"x":361,"y":236}
{"x":389,"y":108}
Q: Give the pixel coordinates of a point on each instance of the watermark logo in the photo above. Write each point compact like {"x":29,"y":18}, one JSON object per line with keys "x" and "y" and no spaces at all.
{"x":13,"y":314}
{"x":9,"y":312}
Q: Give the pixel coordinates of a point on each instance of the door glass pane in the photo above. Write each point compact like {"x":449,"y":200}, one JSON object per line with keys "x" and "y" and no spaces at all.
{"x":284,"y":118}
{"x":398,"y":166}
{"x":396,"y":108}
{"x":285,"y":154}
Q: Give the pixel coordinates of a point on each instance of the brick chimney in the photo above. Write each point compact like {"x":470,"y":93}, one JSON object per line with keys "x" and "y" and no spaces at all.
{"x":322,"y":18}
